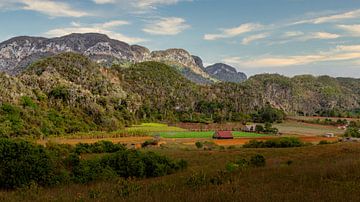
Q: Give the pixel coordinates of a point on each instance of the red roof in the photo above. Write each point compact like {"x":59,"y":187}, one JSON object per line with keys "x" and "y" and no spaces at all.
{"x":223,"y":134}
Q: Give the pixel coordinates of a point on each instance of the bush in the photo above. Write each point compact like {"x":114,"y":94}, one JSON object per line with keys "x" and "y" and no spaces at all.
{"x":255,"y":161}
{"x":98,"y":147}
{"x":352,"y":132}
{"x":258,"y":160}
{"x":197,"y":179}
{"x":199,"y":145}
{"x":148,"y":143}
{"x":23,"y":163}
{"x":275,"y":143}
{"x":259,"y":128}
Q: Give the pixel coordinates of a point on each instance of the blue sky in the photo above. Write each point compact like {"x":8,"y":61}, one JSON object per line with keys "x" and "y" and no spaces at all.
{"x":289,"y":37}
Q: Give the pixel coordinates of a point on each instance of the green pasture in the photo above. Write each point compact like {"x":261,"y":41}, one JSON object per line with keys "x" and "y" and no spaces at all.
{"x":154,"y":127}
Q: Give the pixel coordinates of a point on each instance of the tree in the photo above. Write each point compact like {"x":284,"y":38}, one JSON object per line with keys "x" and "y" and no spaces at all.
{"x":352,"y":132}
{"x":259,"y":128}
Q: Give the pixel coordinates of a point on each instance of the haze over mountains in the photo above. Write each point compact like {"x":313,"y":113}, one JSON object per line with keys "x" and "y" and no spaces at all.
{"x":17,"y":53}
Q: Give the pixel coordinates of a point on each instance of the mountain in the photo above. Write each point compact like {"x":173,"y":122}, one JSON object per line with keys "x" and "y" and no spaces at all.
{"x":17,"y":53}
{"x":69,"y":92}
{"x":224,"y":72}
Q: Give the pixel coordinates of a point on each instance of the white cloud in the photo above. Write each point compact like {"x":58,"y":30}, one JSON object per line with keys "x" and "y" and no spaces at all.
{"x":140,"y":4}
{"x":47,"y":7}
{"x":339,"y":53}
{"x":104,"y":28}
{"x":292,"y":34}
{"x":296,"y":36}
{"x":232,"y":32}
{"x":249,"y":39}
{"x":166,"y":26}
{"x":324,"y":35}
{"x":354,"y":30}
{"x":104,"y":1}
{"x":331,"y":18}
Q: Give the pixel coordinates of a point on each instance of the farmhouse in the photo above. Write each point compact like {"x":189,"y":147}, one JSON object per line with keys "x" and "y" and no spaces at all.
{"x":329,"y":135}
{"x":249,"y":128}
{"x":223,"y":135}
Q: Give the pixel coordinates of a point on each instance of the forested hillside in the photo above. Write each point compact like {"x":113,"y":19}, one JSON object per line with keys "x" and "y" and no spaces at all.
{"x":68,"y":93}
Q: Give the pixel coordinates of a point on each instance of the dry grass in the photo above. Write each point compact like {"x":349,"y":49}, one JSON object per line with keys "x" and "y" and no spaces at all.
{"x":306,"y":129}
{"x":318,"y":173}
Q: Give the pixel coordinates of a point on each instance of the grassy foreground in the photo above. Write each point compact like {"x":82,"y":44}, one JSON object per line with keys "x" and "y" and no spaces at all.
{"x":314,"y":173}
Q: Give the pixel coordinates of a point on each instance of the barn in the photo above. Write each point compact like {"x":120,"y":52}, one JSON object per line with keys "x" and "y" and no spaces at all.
{"x":223,"y":135}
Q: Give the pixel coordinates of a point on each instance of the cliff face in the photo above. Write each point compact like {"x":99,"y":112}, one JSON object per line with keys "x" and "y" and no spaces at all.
{"x":17,"y":53}
{"x":224,"y":72}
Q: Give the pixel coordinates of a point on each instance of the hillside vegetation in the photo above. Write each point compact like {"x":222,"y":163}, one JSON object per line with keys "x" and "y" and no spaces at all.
{"x":69,"y":93}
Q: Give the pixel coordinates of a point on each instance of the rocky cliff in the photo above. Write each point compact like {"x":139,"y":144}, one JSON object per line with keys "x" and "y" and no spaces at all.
{"x":17,"y":53}
{"x":224,"y":72}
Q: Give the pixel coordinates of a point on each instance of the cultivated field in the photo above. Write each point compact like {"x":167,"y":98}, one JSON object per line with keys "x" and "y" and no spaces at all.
{"x":310,"y":133}
{"x":292,"y":127}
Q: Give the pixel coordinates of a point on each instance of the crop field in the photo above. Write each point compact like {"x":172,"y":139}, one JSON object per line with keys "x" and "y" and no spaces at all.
{"x":154,"y":127}
{"x":310,"y":118}
{"x":207,"y":134}
{"x":306,"y":129}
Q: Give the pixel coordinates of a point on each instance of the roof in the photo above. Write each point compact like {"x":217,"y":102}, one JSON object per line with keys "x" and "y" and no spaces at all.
{"x":223,"y":134}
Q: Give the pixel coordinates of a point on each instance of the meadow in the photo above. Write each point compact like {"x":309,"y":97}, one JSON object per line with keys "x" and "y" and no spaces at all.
{"x":312,"y":173}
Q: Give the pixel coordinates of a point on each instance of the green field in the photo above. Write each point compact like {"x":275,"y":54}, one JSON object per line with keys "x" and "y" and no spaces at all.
{"x":154,"y":127}
{"x":205,"y":134}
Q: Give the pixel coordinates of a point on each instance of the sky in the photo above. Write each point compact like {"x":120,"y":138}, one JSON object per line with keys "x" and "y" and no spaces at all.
{"x":289,"y":37}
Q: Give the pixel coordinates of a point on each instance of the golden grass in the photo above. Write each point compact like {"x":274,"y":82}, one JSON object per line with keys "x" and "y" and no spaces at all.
{"x":318,"y":173}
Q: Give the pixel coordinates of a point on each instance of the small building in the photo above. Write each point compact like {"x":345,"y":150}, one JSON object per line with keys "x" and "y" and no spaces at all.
{"x":249,"y":128}
{"x":329,"y":135}
{"x":223,"y":135}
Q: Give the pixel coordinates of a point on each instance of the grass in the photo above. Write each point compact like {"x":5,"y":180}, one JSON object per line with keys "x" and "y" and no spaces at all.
{"x":315,"y":173}
{"x":205,"y":134}
{"x":154,"y":127}
{"x":300,"y":128}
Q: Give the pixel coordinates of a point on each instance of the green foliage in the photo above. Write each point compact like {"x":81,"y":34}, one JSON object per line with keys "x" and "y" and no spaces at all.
{"x":22,"y":163}
{"x":28,"y":102}
{"x":275,"y":143}
{"x":258,"y":160}
{"x":268,"y":114}
{"x":60,"y":92}
{"x":98,"y":147}
{"x":352,"y":132}
{"x":199,"y":145}
{"x":254,"y":161}
{"x":259,"y":128}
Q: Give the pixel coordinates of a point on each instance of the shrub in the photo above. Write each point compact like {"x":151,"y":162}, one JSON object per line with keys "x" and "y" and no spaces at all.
{"x":231,"y":167}
{"x":22,"y":163}
{"x":275,"y":143}
{"x":28,"y":102}
{"x":352,"y":132}
{"x":259,"y":128}
{"x":199,"y":145}
{"x":98,"y":147}
{"x":60,"y":92}
{"x":197,"y":179}
{"x":149,"y":142}
{"x":257,"y":160}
